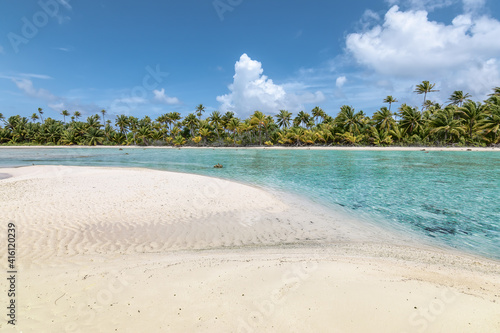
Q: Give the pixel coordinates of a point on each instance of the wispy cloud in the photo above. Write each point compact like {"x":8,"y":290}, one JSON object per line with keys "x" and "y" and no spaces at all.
{"x":66,"y":4}
{"x":2,"y":51}
{"x":36,"y":76}
{"x":26,"y":86}
{"x":161,"y":97}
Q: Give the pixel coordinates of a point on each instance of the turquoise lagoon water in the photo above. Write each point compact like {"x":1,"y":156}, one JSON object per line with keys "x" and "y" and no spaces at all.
{"x":451,"y":198}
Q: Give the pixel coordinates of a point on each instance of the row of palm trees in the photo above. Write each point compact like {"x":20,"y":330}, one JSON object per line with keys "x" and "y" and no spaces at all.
{"x":461,"y":122}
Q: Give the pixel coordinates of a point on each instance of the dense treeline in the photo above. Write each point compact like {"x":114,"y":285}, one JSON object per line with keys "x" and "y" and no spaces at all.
{"x":461,"y":122}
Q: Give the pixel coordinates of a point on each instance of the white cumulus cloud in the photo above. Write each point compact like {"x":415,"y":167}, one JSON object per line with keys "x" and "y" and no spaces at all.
{"x":251,"y":91}
{"x":341,"y":80}
{"x":408,"y":45}
{"x":162,"y":98}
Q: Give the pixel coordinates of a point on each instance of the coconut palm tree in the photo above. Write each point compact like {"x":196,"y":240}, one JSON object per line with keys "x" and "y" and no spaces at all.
{"x":383,"y":119}
{"x":317,"y":113}
{"x":411,"y":119}
{"x":215,"y":120}
{"x":496,"y":92}
{"x":424,"y":88}
{"x":233,"y":125}
{"x":77,"y":114}
{"x":94,"y":136}
{"x":122,"y":123}
{"x":303,"y":118}
{"x":144,"y":133}
{"x":179,"y":140}
{"x":491,"y":124}
{"x":199,"y":110}
{"x":64,"y":113}
{"x":458,"y":98}
{"x":380,"y":136}
{"x":259,"y":120}
{"x":349,"y":120}
{"x":472,"y":114}
{"x":283,"y":119}
{"x":204,"y":133}
{"x":40,"y":111}
{"x":34,"y":117}
{"x":445,"y":124}
{"x":389,"y":99}
{"x":93,"y":121}
{"x":103,"y":113}
{"x":191,"y":122}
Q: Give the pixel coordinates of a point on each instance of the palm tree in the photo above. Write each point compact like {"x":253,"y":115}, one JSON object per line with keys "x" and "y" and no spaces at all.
{"x":64,"y":113}
{"x":380,"y":136}
{"x":77,"y":115}
{"x":496,"y":92}
{"x":302,"y":118}
{"x":283,"y":119}
{"x":191,"y":122}
{"x":179,"y":140}
{"x":144,"y":133}
{"x":122,"y":123}
{"x":93,"y":121}
{"x":260,"y":120}
{"x":199,"y":110}
{"x":40,"y":111}
{"x":94,"y":136}
{"x":491,"y":124}
{"x":383,"y":119}
{"x":446,"y":124}
{"x":34,"y":117}
{"x":389,"y":99}
{"x":204,"y":133}
{"x":317,"y":113}
{"x":234,"y":125}
{"x":103,"y":113}
{"x":458,"y":97}
{"x":472,"y":114}
{"x":411,"y":119}
{"x":216,"y":121}
{"x":424,"y":88}
{"x":348,"y":120}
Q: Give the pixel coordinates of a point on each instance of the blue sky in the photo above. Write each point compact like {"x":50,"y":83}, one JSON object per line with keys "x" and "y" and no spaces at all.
{"x":151,"y":57}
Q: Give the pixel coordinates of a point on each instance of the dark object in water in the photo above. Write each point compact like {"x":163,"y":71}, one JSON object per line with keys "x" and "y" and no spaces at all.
{"x":120,"y":149}
{"x":218,"y":166}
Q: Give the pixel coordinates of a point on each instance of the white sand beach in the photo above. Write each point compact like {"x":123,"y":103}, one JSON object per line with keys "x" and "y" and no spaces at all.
{"x":136,"y":250}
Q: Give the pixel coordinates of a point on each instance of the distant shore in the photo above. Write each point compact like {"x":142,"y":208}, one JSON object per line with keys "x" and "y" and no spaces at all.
{"x":361,"y":148}
{"x":130,"y":249}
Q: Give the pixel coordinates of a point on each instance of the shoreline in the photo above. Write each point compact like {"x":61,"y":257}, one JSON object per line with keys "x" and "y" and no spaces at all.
{"x":132,"y":249}
{"x":465,"y":149}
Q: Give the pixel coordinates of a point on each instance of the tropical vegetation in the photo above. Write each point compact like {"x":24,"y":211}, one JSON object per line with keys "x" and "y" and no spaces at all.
{"x":462,"y":122}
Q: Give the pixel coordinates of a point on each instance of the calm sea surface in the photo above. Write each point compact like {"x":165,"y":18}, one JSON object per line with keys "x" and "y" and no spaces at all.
{"x":452,"y":198}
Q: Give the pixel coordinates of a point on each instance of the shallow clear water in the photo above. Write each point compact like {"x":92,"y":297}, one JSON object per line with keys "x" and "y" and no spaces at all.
{"x":449,"y":197}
